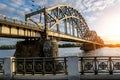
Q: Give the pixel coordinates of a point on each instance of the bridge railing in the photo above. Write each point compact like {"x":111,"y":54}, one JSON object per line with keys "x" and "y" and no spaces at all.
{"x":66,"y":67}
{"x":99,"y":65}
{"x":16,"y":21}
{"x":40,"y":66}
{"x":1,"y":66}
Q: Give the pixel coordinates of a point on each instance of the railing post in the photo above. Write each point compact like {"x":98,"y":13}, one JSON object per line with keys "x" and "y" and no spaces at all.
{"x":96,"y":70}
{"x":65,"y":66}
{"x":8,"y":67}
{"x":81,"y":67}
{"x":110,"y":64}
{"x":73,"y":72}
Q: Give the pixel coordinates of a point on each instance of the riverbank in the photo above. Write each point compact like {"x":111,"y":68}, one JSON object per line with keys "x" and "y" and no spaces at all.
{"x":69,"y":45}
{"x":7,"y":47}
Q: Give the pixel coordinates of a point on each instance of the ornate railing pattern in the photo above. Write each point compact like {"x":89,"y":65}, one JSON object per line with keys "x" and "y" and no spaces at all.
{"x":1,"y":66}
{"x":98,"y":65}
{"x":40,"y":66}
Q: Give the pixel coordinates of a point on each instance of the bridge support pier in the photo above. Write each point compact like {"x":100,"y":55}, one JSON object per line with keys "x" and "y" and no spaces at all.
{"x":88,"y":46}
{"x":37,"y":48}
{"x":94,"y":46}
{"x":29,"y":48}
{"x":50,"y":48}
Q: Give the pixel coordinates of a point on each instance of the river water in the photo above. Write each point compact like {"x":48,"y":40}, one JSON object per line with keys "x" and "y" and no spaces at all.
{"x":74,"y":51}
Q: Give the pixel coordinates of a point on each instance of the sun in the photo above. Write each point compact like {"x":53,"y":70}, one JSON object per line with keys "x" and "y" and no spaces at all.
{"x":111,"y":27}
{"x":113,"y":24}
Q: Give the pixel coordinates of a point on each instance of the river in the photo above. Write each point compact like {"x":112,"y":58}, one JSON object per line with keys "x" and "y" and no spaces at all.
{"x":74,"y":51}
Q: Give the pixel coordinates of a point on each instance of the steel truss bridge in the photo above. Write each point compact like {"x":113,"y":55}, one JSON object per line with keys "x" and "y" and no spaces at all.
{"x":62,"y":22}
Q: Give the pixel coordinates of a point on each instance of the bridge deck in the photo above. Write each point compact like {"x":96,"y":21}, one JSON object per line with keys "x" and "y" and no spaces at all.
{"x":65,"y":37}
{"x":17,"y":29}
{"x":20,"y":29}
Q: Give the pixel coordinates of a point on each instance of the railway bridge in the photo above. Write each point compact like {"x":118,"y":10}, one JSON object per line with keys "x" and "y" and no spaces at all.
{"x":42,"y":29}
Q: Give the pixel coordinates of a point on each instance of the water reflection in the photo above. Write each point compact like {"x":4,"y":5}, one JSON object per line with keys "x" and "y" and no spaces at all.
{"x":74,"y":51}
{"x":106,"y":51}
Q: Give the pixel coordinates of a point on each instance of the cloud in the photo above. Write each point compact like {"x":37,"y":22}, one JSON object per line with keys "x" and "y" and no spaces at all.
{"x":2,"y":6}
{"x":5,"y":9}
{"x":13,"y":12}
{"x":18,"y":3}
{"x":93,"y":9}
{"x":15,"y":3}
{"x":51,"y":3}
{"x":27,"y":10}
{"x":90,"y":18}
{"x":93,"y":5}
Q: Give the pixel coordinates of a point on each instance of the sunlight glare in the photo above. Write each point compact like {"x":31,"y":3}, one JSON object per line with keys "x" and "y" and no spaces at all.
{"x":112,"y":27}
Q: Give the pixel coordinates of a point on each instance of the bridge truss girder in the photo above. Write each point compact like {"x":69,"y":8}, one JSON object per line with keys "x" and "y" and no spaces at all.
{"x":65,"y":20}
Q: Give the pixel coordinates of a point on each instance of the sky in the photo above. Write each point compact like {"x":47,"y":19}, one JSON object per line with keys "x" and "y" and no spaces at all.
{"x":103,"y":16}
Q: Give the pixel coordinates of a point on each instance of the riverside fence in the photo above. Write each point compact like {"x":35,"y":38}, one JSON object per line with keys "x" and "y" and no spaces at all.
{"x":64,"y":68}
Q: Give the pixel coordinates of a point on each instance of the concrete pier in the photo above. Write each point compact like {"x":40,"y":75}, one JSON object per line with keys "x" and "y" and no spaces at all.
{"x":89,"y":46}
{"x":50,"y":48}
{"x":29,"y":48}
{"x":37,"y":48}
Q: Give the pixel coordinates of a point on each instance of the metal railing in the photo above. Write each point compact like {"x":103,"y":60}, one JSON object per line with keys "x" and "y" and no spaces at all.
{"x":99,"y":65}
{"x":40,"y":66}
{"x":16,"y":21}
{"x":1,"y":66}
{"x":62,"y":67}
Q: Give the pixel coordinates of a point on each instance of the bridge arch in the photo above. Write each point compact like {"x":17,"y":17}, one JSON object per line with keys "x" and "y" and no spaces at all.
{"x":67,"y":14}
{"x":65,"y":19}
